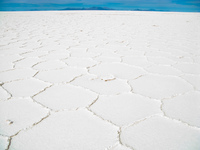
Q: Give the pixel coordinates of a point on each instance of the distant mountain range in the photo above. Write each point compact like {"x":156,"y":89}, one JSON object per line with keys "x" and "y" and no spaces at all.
{"x":90,"y":8}
{"x":75,"y":8}
{"x":105,"y":8}
{"x":147,"y":10}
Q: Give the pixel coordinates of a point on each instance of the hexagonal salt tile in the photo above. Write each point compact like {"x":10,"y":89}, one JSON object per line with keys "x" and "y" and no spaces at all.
{"x":161,"y":60}
{"x":27,"y":62}
{"x":158,"y":54}
{"x":118,"y":70}
{"x":129,"y":52}
{"x":100,"y":86}
{"x":9,"y":58}
{"x":6,"y":66}
{"x":164,"y":70}
{"x":182,"y":59}
{"x":83,"y":54}
{"x":25,"y":88}
{"x":103,"y":50}
{"x":108,"y":53}
{"x":65,"y":97}
{"x":106,"y":59}
{"x":17,"y":74}
{"x":48,"y":65}
{"x":55,"y":55}
{"x":190,"y":68}
{"x":140,"y":61}
{"x":68,"y":130}
{"x":185,"y":107}
{"x":80,"y":62}
{"x":17,"y":114}
{"x":35,"y":53}
{"x":125,"y":109}
{"x":159,"y":133}
{"x":61,"y":75}
{"x":159,"y":87}
{"x":193,"y":79}
{"x":79,"y":48}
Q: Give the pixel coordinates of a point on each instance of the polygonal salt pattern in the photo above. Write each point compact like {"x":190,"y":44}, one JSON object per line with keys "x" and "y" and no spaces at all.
{"x":159,"y":87}
{"x":107,"y":59}
{"x":99,"y":80}
{"x":18,"y":114}
{"x":140,"y":61}
{"x":80,"y":62}
{"x":161,"y":60}
{"x":125,"y":109}
{"x":183,"y":59}
{"x":9,"y":58}
{"x":185,"y":108}
{"x":163,"y":70}
{"x":158,"y":133}
{"x":16,"y":51}
{"x":55,"y":55}
{"x":84,"y":54}
{"x":61,"y":75}
{"x":36,"y":53}
{"x":118,"y":70}
{"x":25,"y":88}
{"x":193,"y":79}
{"x":69,"y":130}
{"x":158,"y":54}
{"x":104,"y":52}
{"x":189,"y":68}
{"x":49,"y":65}
{"x":16,"y":74}
{"x":130,"y":53}
{"x":27,"y":62}
{"x":4,"y":66}
{"x":115,"y":86}
{"x":66,"y":97}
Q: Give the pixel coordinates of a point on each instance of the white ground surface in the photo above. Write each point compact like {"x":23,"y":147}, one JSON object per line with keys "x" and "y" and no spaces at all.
{"x":99,"y":81}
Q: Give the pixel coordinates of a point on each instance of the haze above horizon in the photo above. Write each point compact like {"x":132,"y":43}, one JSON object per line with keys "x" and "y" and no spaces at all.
{"x":154,"y":5}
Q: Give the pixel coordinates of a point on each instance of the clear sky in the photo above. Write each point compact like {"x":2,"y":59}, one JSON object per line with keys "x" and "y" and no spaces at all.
{"x":163,"y":5}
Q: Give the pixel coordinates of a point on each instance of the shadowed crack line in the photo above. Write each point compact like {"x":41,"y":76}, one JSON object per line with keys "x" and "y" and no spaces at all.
{"x":32,"y":97}
{"x":93,"y":101}
{"x":10,"y":95}
{"x":178,"y":120}
{"x":27,"y":128}
{"x":88,"y":109}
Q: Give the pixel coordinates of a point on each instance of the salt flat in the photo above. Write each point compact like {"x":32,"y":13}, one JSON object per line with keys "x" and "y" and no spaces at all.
{"x":97,"y":80}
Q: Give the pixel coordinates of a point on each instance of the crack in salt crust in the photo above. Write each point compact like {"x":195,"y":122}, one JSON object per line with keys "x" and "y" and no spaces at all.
{"x":101,"y":75}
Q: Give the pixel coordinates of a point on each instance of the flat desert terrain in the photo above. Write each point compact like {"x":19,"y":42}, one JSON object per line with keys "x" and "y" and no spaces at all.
{"x":99,"y":80}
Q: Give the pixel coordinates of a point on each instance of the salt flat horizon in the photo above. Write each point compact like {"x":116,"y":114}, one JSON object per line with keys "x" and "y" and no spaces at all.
{"x":138,"y":11}
{"x":99,"y":80}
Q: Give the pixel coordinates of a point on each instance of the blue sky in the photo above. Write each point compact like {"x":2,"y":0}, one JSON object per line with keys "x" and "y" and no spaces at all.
{"x":165,"y":5}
